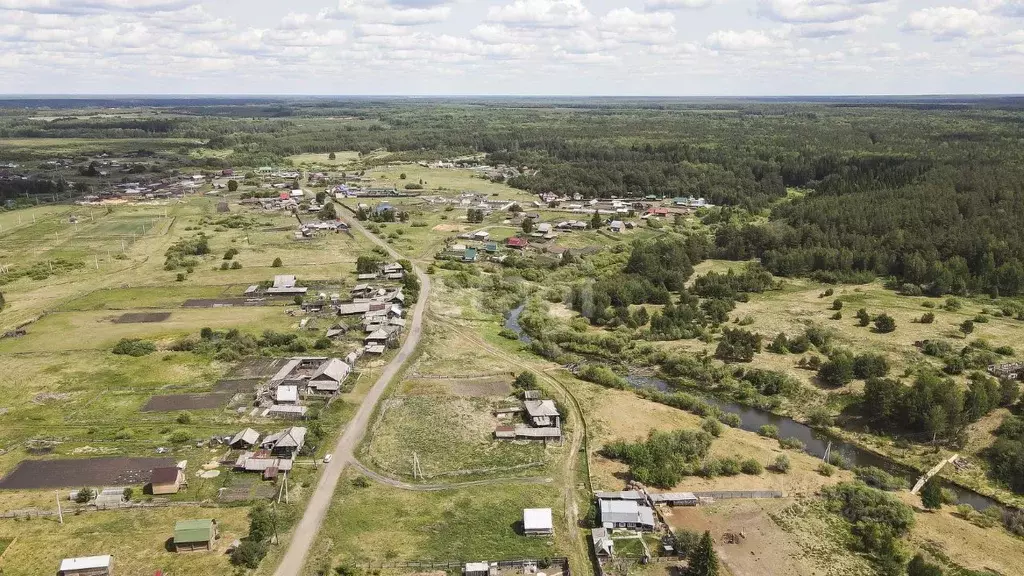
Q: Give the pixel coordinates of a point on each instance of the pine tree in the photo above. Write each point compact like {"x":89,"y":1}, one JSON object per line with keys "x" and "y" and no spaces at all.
{"x":931,"y":495}
{"x":596,"y":222}
{"x":704,"y":561}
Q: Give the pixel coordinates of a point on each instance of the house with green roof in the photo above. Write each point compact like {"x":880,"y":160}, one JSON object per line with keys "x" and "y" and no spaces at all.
{"x":469,"y":255}
{"x":192,"y":535}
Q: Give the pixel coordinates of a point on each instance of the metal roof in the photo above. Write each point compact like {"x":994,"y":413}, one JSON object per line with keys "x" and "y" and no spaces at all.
{"x":623,"y":495}
{"x":538,"y":408}
{"x":293,"y":437}
{"x":248,"y":435}
{"x":287,"y":394}
{"x":190,"y":531}
{"x":333,"y":369}
{"x":625,"y":512}
{"x":674,"y":497}
{"x":537,"y":519}
{"x":86,"y":563}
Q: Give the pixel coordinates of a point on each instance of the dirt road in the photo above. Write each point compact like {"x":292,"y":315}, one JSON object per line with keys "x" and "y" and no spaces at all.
{"x":320,"y":500}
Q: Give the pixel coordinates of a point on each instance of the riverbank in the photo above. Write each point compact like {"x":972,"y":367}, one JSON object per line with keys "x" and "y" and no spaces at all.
{"x":856,"y":449}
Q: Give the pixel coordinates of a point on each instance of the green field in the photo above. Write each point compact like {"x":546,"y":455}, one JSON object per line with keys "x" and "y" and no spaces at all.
{"x":378,"y":524}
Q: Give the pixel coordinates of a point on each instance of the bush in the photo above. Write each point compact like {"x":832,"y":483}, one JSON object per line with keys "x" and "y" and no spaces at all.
{"x":878,"y":478}
{"x":838,"y":460}
{"x":180,"y":277}
{"x":85,"y":495}
{"x":277,"y":263}
{"x":826,"y":469}
{"x":231,"y":253}
{"x":792,"y":443}
{"x":729,"y":466}
{"x":236,"y":265}
{"x":184,"y":418}
{"x":927,"y":318}
{"x":134,"y":347}
{"x":322,"y":343}
{"x":128,"y":494}
{"x":837,"y":304}
{"x":712,"y":426}
{"x":731,"y":420}
{"x":769,"y":431}
{"x":180,"y":436}
{"x":249,"y":554}
{"x":781,"y":464}
{"x":752,"y":467}
{"x":225,"y":266}
{"x":869,"y":365}
{"x":885,"y":324}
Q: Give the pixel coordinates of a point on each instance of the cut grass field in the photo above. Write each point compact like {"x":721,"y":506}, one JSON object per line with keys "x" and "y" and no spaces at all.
{"x":136,"y":538}
{"x":316,"y":160}
{"x":380,"y":524}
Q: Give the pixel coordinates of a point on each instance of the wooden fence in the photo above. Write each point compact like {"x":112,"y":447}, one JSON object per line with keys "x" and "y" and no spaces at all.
{"x":561,"y":563}
{"x":71,"y":510}
{"x":733,"y":494}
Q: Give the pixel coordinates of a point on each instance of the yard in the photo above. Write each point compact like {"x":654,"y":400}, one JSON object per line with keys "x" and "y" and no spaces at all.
{"x":138,"y":540}
{"x":379,"y":524}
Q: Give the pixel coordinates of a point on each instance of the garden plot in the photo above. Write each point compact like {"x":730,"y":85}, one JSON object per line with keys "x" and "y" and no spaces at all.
{"x":141,"y":317}
{"x":176,"y":402}
{"x":34,"y":474}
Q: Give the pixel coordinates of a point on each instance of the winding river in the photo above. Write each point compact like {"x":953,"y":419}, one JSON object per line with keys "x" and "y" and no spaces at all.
{"x":816,"y":442}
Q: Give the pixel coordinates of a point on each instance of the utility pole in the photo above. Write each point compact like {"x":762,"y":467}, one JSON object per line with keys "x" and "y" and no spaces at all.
{"x":60,"y":513}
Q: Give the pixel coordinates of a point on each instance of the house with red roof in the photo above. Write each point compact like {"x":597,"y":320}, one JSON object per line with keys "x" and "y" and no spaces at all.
{"x":516,"y":242}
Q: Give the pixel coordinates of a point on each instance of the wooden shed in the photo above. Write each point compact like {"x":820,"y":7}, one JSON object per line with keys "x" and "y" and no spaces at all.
{"x":166,"y":481}
{"x":192,"y":535}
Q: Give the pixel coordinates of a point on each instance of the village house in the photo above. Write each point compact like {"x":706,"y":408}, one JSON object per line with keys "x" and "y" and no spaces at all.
{"x":517,"y":243}
{"x":625,"y":514}
{"x":617,"y":226}
{"x":537,"y":521}
{"x":541,"y":413}
{"x":329,"y":377}
{"x":245,"y":439}
{"x":675,"y":498}
{"x":166,"y":481}
{"x":285,"y":411}
{"x":481,"y":235}
{"x":87,"y":566}
{"x":469,"y":255}
{"x":286,"y":443}
{"x":192,"y":535}
{"x":285,"y":285}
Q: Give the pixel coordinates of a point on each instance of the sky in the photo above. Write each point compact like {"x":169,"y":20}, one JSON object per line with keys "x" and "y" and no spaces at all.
{"x":512,"y":47}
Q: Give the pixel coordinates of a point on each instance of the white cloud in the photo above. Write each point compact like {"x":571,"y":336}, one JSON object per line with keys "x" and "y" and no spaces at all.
{"x":541,"y":13}
{"x":655,"y":5}
{"x":384,"y":12}
{"x":1010,"y":8}
{"x":742,"y":41}
{"x":625,"y":25}
{"x":818,"y":11}
{"x":946,"y":23}
{"x":93,"y":6}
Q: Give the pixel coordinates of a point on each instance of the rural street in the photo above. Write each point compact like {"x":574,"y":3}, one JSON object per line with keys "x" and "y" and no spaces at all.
{"x":344,"y":451}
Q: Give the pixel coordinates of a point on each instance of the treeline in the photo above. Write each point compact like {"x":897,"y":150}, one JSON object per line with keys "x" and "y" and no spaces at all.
{"x":953,"y":230}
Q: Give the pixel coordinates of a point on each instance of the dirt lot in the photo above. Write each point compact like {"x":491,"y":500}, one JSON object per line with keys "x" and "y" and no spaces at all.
{"x":174,"y":402}
{"x":257,"y":368}
{"x":765,"y":547}
{"x":238,"y":385}
{"x":141,"y":317}
{"x":31,"y":474}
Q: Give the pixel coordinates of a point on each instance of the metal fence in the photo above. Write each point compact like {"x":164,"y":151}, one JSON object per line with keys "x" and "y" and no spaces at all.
{"x":71,"y":509}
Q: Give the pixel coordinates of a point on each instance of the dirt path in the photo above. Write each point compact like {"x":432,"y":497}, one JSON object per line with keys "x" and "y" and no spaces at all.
{"x":320,"y":500}
{"x":381,"y":479}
